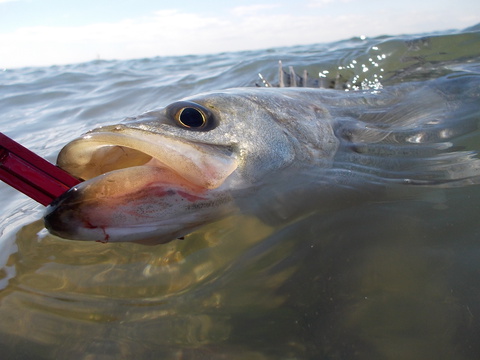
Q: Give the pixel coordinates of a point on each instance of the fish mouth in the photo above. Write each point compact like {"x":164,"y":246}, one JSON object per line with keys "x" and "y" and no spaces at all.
{"x":114,"y":148}
{"x":138,"y":185}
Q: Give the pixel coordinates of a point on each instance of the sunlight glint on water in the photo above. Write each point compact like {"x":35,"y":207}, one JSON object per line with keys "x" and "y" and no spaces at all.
{"x":381,"y":280}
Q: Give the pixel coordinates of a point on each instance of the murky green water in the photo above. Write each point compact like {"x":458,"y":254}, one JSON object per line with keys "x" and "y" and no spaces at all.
{"x":380,"y":279}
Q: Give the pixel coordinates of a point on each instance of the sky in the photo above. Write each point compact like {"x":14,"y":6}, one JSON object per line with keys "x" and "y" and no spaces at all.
{"x":55,"y":32}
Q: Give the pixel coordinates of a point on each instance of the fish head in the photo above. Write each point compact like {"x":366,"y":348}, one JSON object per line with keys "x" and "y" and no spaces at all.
{"x":160,"y":175}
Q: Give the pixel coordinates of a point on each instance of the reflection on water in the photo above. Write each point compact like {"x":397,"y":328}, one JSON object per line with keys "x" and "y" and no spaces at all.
{"x":70,"y":295}
{"x":382,"y":280}
{"x":386,"y":278}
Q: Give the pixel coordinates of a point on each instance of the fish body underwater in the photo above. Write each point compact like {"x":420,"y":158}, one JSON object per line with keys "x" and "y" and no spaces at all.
{"x":276,"y":153}
{"x":322,"y":223}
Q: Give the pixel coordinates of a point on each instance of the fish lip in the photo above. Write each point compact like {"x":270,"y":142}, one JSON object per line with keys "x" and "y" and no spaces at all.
{"x":65,"y":218}
{"x":53,"y":223}
{"x":119,"y":206}
{"x":148,"y":177}
{"x":203,"y":165}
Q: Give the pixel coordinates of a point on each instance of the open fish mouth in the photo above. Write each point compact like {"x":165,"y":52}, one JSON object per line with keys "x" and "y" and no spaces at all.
{"x":112,"y":148}
{"x":138,"y":185}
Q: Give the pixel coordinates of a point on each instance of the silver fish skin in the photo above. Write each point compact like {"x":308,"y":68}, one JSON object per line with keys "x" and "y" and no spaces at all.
{"x":156,"y":177}
{"x":277,"y":153}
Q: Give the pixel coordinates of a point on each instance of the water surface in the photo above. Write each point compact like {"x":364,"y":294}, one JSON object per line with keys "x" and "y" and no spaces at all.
{"x":382,"y":279}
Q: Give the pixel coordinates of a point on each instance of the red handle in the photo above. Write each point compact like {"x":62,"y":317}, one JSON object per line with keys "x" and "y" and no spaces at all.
{"x":32,"y":175}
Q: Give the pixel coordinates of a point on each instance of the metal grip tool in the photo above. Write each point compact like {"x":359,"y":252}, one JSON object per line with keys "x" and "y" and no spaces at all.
{"x":32,"y":175}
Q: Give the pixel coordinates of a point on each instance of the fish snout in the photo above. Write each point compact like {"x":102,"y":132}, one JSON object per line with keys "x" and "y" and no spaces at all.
{"x":61,"y":216}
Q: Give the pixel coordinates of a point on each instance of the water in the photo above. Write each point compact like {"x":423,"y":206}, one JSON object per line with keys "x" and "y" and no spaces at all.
{"x":384,"y":279}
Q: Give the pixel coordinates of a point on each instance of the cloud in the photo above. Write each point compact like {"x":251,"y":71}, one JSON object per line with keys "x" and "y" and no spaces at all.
{"x":253,"y":9}
{"x":164,"y":33}
{"x":173,"y":32}
{"x":323,"y":3}
{"x":319,"y":3}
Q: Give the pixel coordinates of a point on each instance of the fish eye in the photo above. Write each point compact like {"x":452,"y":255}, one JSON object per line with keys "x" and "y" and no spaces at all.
{"x":191,"y":116}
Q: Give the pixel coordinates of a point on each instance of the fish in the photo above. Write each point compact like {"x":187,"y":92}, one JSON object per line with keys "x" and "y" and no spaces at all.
{"x":276,"y":153}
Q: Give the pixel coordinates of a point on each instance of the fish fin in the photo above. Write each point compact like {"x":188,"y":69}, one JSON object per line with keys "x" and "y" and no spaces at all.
{"x":398,"y":138}
{"x":281,"y":82}
{"x":305,"y":78}
{"x":291,"y":79}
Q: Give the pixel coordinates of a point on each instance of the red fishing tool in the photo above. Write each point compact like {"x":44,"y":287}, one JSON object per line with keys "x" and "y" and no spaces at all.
{"x":32,"y":175}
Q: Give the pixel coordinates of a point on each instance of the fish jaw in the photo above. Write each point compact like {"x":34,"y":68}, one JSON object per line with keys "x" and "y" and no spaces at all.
{"x":133,"y":204}
{"x":114,"y":147}
{"x":138,"y":189}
